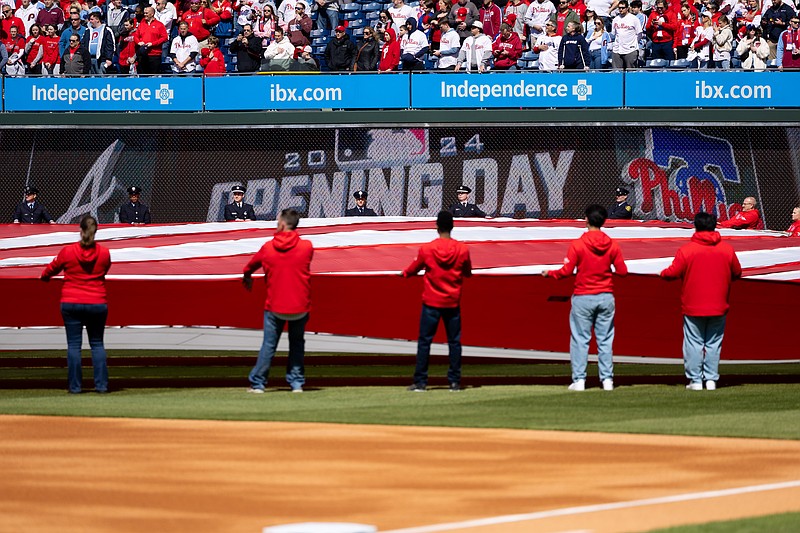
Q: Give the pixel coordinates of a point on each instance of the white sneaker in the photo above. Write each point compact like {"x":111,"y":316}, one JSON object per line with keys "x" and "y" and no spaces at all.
{"x":255,"y":391}
{"x":298,"y":390}
{"x":578,"y":385}
{"x":608,"y":384}
{"x":694,"y":386}
{"x":711,"y":385}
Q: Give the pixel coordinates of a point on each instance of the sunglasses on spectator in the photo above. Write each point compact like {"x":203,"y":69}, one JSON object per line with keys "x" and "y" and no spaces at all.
{"x":299,"y":8}
{"x":367,"y":33}
{"x":73,"y":40}
{"x":795,"y":21}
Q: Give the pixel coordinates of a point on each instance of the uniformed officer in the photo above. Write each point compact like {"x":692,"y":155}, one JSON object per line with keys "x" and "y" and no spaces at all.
{"x":239,"y":211}
{"x":463,"y":208}
{"x":621,"y":209}
{"x":134,"y":212}
{"x":30,"y":211}
{"x":361,"y":209}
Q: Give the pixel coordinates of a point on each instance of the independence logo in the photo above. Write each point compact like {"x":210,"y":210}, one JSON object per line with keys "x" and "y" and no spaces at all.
{"x":103,"y":93}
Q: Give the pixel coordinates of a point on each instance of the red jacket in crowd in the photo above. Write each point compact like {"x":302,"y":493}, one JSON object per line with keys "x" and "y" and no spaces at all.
{"x":664,"y":33}
{"x":794,"y":229}
{"x":8,"y":23}
{"x":51,"y":54}
{"x":743,"y":220}
{"x":286,"y":261}
{"x":225,"y":9}
{"x":153,"y":32}
{"x":213,"y":62}
{"x":707,"y":267}
{"x":85,"y":270}
{"x":592,"y":254}
{"x":390,"y":53}
{"x":14,"y":46}
{"x":512,"y":45}
{"x":195,"y":20}
{"x":446,"y":263}
{"x":684,"y":33}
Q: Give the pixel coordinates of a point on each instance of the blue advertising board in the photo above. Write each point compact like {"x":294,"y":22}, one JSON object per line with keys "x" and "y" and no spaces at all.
{"x":307,"y":91}
{"x":710,"y":88}
{"x":104,"y":93}
{"x":515,"y":89}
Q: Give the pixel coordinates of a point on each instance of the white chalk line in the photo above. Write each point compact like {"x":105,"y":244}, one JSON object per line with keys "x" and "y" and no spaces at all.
{"x":569,"y":511}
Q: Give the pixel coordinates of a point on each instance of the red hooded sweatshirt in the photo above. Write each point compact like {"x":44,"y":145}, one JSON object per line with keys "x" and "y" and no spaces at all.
{"x":286,"y":261}
{"x":85,"y":270}
{"x":390,"y":54}
{"x":592,"y":254}
{"x":707,"y":267}
{"x":446,"y":263}
{"x":744,"y":220}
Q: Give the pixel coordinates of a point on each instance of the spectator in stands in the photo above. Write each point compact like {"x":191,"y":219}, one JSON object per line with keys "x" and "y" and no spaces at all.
{"x":340,"y":53}
{"x":299,"y":28}
{"x":327,"y":14}
{"x":244,"y":13}
{"x":424,"y":18}
{"x":598,"y":45}
{"x":90,"y":7}
{"x":621,"y":210}
{"x":50,"y":14}
{"x":700,"y":48}
{"x":286,"y":11}
{"x":794,"y":228}
{"x":506,"y":49}
{"x":134,"y":212}
{"x":476,"y":51}
{"x":573,"y":51}
{"x":368,"y":52}
{"x":588,"y":22}
{"x":514,"y":16}
{"x":127,"y":48}
{"x":264,"y":26}
{"x":116,"y":15}
{"x":400,"y":13}
{"x":707,"y":266}
{"x":238,"y":211}
{"x":224,"y":11}
{"x":722,"y":44}
{"x":27,"y":13}
{"x":166,"y":14}
{"x":789,"y":45}
{"x":304,"y":62}
{"x":593,"y":255}
{"x":442,"y":12}
{"x":83,"y":302}
{"x":747,"y":218}
{"x":34,"y":50}
{"x":661,"y":26}
{"x":15,"y":49}
{"x":536,"y":18}
{"x":150,"y":35}
{"x":201,"y":20}
{"x":184,"y":50}
{"x":547,"y":47}
{"x":98,"y":40}
{"x":413,"y":47}
{"x":390,"y":53}
{"x":248,"y":50}
{"x":604,"y":9}
{"x":138,"y":14}
{"x":563,"y":16}
{"x":286,"y":260}
{"x":626,"y":31}
{"x":746,"y":15}
{"x":361,"y":209}
{"x":462,"y":15}
{"x":51,"y":58}
{"x":449,"y":46}
{"x":75,"y":60}
{"x":463,"y":208}
{"x":31,"y":211}
{"x":491,"y":16}
{"x":578,"y":7}
{"x":446,"y":262}
{"x":280,"y":52}
{"x":775,"y":21}
{"x":385,"y":21}
{"x":684,"y":35}
{"x":9,"y":20}
{"x":712,"y":8}
{"x":753,"y":50}
{"x":74,"y":28}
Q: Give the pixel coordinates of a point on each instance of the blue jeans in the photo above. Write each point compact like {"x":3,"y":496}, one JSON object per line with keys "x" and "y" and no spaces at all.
{"x":428,"y":323}
{"x":595,"y":59}
{"x":295,"y":368}
{"x":591,"y":310}
{"x":702,"y":335}
{"x":93,"y":317}
{"x":327,"y":19}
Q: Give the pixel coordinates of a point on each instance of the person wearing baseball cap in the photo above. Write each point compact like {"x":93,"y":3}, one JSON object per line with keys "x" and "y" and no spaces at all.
{"x":30,"y":211}
{"x":340,"y":52}
{"x":304,"y":62}
{"x":238,"y":211}
{"x":462,"y":15}
{"x":134,"y":212}
{"x":476,"y":50}
{"x":463,"y":208}
{"x":361,"y":209}
{"x":621,"y":210}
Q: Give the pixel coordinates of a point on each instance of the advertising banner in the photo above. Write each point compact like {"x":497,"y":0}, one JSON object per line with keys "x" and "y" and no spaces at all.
{"x":106,"y":93}
{"x":301,"y":91}
{"x":709,"y":88}
{"x":526,"y":90}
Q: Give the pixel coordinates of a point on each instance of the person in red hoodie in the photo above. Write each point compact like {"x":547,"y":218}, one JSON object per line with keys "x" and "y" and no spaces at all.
{"x":707,"y":267}
{"x":150,"y":34}
{"x":747,"y":218}
{"x":212,"y":60}
{"x":200,"y":20}
{"x":592,"y":255}
{"x":446,"y":262}
{"x":506,"y":49}
{"x":661,"y":27}
{"x":794,"y":228}
{"x":83,"y":302}
{"x":390,"y":53}
{"x":286,"y":260}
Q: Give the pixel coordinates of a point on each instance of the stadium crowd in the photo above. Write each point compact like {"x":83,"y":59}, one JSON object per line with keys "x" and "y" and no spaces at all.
{"x":82,"y":37}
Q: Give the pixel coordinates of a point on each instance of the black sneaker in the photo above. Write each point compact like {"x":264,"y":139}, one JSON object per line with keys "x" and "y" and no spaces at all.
{"x":416,"y":387}
{"x":455,"y":387}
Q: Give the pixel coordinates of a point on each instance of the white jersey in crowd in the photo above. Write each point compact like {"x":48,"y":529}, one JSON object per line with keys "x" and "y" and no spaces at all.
{"x":282,"y":49}
{"x":600,"y":7}
{"x":474,"y":51}
{"x":401,"y":14}
{"x":286,"y":11}
{"x":183,"y":47}
{"x":451,"y":42}
{"x":166,"y":17}
{"x":27,"y":16}
{"x":548,"y":59}
{"x":411,"y":44}
{"x":538,"y":14}
{"x":626,"y":31}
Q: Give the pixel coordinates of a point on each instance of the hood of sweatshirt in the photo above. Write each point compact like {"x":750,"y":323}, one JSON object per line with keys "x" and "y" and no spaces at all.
{"x":597,"y":241}
{"x":410,"y":21}
{"x":445,"y":252}
{"x":390,"y":33}
{"x":283,"y":241}
{"x":87,"y":257}
{"x":707,"y":238}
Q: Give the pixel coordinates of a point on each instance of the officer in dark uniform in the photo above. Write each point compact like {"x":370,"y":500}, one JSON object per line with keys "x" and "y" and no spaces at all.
{"x":621,"y":210}
{"x":238,"y":210}
{"x":361,"y":209}
{"x":463,"y":208}
{"x":134,"y":212}
{"x":30,"y":211}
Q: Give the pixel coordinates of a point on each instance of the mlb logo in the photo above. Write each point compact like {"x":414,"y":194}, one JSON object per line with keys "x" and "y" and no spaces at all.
{"x":362,"y":148}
